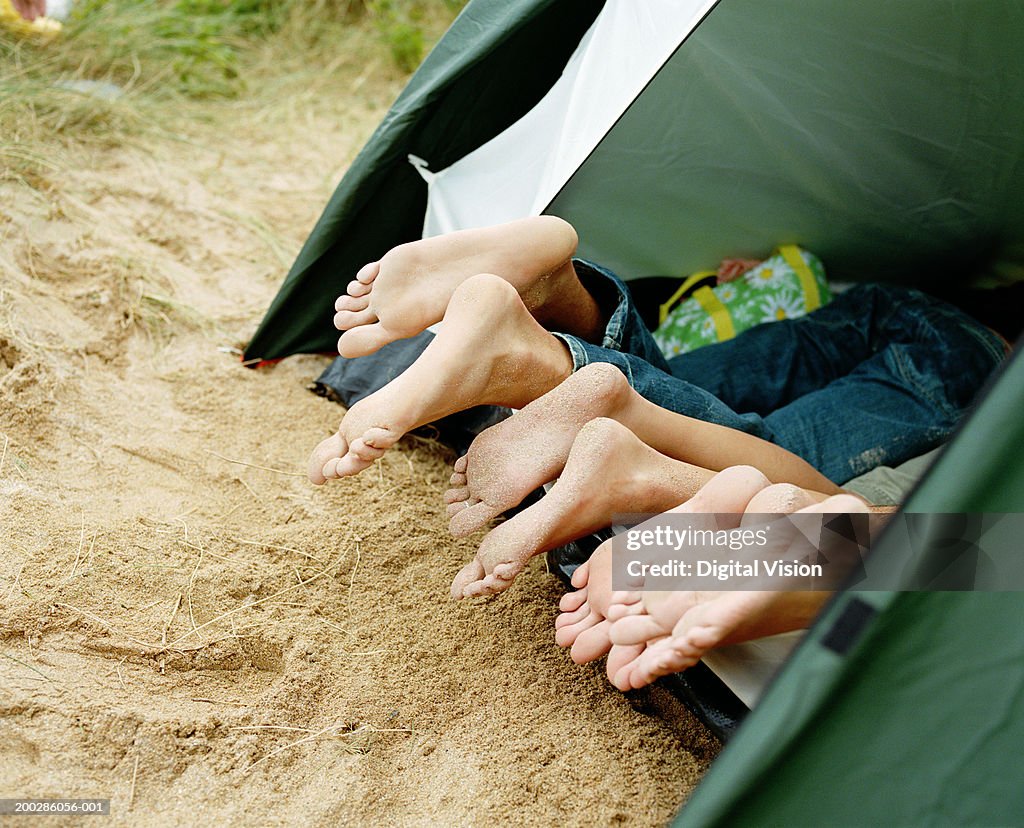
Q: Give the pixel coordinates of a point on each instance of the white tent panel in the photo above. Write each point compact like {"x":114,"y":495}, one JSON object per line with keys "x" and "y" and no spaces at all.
{"x":520,"y":171}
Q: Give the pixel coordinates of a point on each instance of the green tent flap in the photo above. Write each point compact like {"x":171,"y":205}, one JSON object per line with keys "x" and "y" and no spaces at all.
{"x":884,"y":136}
{"x":919,"y":722}
{"x":476,"y":82}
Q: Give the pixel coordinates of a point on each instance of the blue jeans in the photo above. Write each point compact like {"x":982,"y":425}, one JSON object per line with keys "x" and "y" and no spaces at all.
{"x":879,"y":375}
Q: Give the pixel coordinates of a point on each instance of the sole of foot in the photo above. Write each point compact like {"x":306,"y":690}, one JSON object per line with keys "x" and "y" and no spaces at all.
{"x":491,"y":351}
{"x":410,"y":287}
{"x":609,"y":471}
{"x":518,"y":455}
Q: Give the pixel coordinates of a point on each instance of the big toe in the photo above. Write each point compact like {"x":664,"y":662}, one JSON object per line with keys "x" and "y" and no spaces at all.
{"x":622,"y":665}
{"x":591,"y":643}
{"x":333,"y":448}
{"x":364,"y":340}
{"x":470,"y":574}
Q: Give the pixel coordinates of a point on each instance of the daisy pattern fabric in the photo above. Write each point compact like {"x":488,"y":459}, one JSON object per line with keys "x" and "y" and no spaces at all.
{"x":789,"y":284}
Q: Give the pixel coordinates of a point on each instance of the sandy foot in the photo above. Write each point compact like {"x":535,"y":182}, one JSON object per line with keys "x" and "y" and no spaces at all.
{"x":608,"y":471}
{"x":491,"y":351}
{"x":511,"y":459}
{"x":410,"y":287}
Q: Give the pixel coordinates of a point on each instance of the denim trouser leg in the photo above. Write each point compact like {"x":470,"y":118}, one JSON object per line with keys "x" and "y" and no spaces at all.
{"x":770,"y":366}
{"x":928,"y":362}
{"x":625,"y":331}
{"x":880,"y":375}
{"x":629,"y":346}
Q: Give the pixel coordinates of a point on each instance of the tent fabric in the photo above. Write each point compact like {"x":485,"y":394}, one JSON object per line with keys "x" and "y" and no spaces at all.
{"x":495,"y":62}
{"x":520,"y":171}
{"x":883,"y":136}
{"x":915,"y":724}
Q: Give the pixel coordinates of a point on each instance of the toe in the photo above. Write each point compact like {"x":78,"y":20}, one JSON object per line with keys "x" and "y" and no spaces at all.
{"x":572,"y":601}
{"x":569,"y":617}
{"x":357,"y":288}
{"x":461,"y":464}
{"x":591,"y":643}
{"x":497,"y":580}
{"x":345,"y":320}
{"x":456,"y":494}
{"x":334,"y":447}
{"x":622,"y":604}
{"x":702,"y":638}
{"x":364,"y":339}
{"x":469,"y":520}
{"x":581,"y":575}
{"x":507,"y":572}
{"x":469,"y":574}
{"x":490,"y":585}
{"x":454,"y":508}
{"x":351,"y":303}
{"x":351,"y":464}
{"x":566,"y":635}
{"x":621,"y":664}
{"x":380,"y":438}
{"x":662,"y":658}
{"x":363,"y":451}
{"x":636,"y":629}
{"x":368,"y":272}
{"x":457,"y":480}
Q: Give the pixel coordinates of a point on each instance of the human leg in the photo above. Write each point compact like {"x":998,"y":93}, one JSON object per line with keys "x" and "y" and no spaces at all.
{"x":902,"y":402}
{"x":609,"y":471}
{"x":782,"y":361}
{"x":511,"y":459}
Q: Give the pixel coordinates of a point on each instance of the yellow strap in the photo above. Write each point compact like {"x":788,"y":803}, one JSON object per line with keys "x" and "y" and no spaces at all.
{"x":724,"y":329}
{"x":691,"y":280}
{"x":812,"y":296}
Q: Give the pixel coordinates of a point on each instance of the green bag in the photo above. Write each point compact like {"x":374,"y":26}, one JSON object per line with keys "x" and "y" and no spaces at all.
{"x":789,"y":284}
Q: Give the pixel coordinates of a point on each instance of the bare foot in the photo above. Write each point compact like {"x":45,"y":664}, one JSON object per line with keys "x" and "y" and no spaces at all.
{"x":410,"y":287}
{"x":582,"y":623}
{"x":490,"y":352}
{"x":674,"y":630}
{"x":585,"y":613}
{"x":609,"y":471}
{"x":511,"y":459}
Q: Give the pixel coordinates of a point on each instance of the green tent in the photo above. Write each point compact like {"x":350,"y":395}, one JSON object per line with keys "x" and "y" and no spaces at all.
{"x":884,"y":136}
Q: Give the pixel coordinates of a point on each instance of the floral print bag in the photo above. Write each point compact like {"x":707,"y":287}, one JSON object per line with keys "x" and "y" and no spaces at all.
{"x":789,"y":284}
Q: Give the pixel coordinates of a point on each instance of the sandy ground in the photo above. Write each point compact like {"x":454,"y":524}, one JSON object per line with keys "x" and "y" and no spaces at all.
{"x":206,"y":641}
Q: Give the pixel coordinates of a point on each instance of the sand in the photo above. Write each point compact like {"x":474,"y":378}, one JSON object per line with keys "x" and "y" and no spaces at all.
{"x":191,"y":629}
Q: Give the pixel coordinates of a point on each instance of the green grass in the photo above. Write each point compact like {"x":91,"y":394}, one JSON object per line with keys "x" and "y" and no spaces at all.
{"x":171,"y":57}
